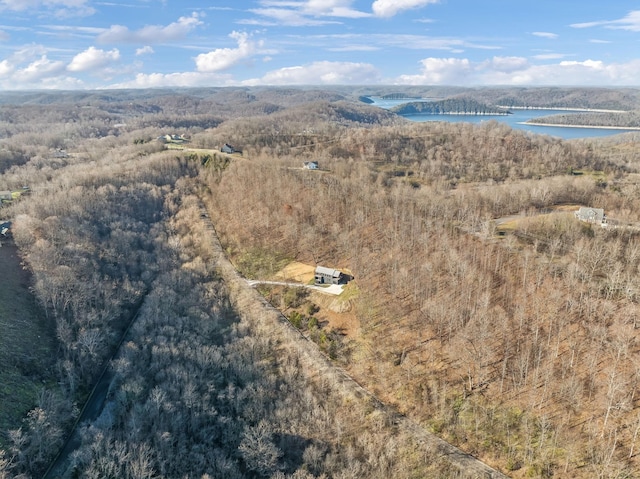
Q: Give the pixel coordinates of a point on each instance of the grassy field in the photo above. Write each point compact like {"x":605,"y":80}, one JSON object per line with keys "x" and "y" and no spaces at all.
{"x":26,"y":344}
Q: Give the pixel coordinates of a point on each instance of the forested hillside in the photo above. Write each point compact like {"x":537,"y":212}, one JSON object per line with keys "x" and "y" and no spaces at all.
{"x":481,"y":309}
{"x":450,"y":106}
{"x":629,"y":119}
{"x":522,"y":349}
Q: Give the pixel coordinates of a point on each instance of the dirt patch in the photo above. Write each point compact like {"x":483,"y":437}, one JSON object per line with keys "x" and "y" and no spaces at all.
{"x":346,"y":323}
{"x":296,"y":271}
{"x":337,"y":313}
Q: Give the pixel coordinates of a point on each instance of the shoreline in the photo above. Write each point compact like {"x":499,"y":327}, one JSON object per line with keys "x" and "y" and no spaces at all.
{"x":592,"y":110}
{"x":558,"y":125}
{"x":453,"y":114}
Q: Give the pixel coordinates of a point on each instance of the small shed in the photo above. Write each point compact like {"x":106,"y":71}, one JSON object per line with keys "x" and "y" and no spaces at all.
{"x":6,"y":195}
{"x":325,"y":275}
{"x":591,"y":215}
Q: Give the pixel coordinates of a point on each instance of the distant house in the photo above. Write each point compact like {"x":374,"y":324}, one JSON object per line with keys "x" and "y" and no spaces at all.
{"x":172,"y":139}
{"x":329,"y":276}
{"x":5,"y":227}
{"x":6,"y":195}
{"x":310,"y":165}
{"x":594,"y":216}
{"x":227,"y":148}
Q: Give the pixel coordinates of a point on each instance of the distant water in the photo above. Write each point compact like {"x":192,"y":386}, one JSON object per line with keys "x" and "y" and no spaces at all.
{"x":514,"y":121}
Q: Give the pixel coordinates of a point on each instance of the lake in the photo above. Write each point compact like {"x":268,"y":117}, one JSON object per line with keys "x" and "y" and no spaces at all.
{"x":515,"y":121}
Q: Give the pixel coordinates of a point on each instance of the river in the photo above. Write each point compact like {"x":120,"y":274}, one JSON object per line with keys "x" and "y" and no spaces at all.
{"x":515,"y":120}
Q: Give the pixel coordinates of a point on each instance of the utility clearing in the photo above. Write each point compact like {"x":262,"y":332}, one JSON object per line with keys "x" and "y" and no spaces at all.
{"x":25,"y":345}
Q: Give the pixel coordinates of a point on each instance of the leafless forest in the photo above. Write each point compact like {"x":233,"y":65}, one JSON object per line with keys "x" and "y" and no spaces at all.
{"x":481,"y":308}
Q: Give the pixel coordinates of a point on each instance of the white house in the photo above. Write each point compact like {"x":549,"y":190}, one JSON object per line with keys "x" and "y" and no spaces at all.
{"x":594,"y":216}
{"x":310,"y":165}
{"x":325,"y":275}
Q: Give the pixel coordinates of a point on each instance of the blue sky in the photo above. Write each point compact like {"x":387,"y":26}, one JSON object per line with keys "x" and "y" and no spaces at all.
{"x":86,"y":44}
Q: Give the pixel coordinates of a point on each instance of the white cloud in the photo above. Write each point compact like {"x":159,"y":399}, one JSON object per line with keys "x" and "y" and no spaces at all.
{"x":321,"y":73}
{"x":38,"y":70}
{"x":224,"y":58}
{"x":421,"y":42}
{"x":6,"y":68}
{"x":630,"y":22}
{"x":282,"y":16}
{"x":389,"y":8}
{"x":332,"y":8}
{"x":146,"y":50}
{"x":595,"y":40}
{"x":30,"y":68}
{"x":354,"y":48}
{"x":549,"y":56}
{"x":304,"y":13}
{"x":506,"y":64}
{"x":550,"y":36}
{"x":518,"y":71}
{"x":30,"y":4}
{"x":93,"y":59}
{"x":60,"y":8}
{"x":439,"y":71}
{"x":152,"y":33}
{"x":181,"y":79}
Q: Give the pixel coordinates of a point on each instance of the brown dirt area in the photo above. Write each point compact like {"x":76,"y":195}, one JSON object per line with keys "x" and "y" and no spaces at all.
{"x":296,"y":271}
{"x":346,"y":323}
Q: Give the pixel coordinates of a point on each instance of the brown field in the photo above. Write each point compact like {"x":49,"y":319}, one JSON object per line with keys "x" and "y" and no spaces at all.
{"x":296,"y":271}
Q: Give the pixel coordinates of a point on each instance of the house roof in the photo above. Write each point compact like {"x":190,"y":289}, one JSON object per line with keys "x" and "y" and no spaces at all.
{"x":590,"y":214}
{"x":334,"y":273}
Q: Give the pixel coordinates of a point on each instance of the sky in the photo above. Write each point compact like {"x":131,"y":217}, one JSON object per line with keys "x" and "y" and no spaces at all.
{"x":87,"y":44}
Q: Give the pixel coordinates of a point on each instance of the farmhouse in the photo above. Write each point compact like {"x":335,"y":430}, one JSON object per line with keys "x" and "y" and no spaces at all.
{"x":594,"y":216}
{"x":310,"y":165}
{"x":329,"y":276}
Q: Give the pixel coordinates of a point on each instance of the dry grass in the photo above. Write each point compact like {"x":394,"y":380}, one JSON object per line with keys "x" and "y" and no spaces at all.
{"x":296,"y":271}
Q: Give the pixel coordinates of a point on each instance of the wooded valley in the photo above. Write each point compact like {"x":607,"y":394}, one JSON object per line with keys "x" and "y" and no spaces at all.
{"x":482,"y":309}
